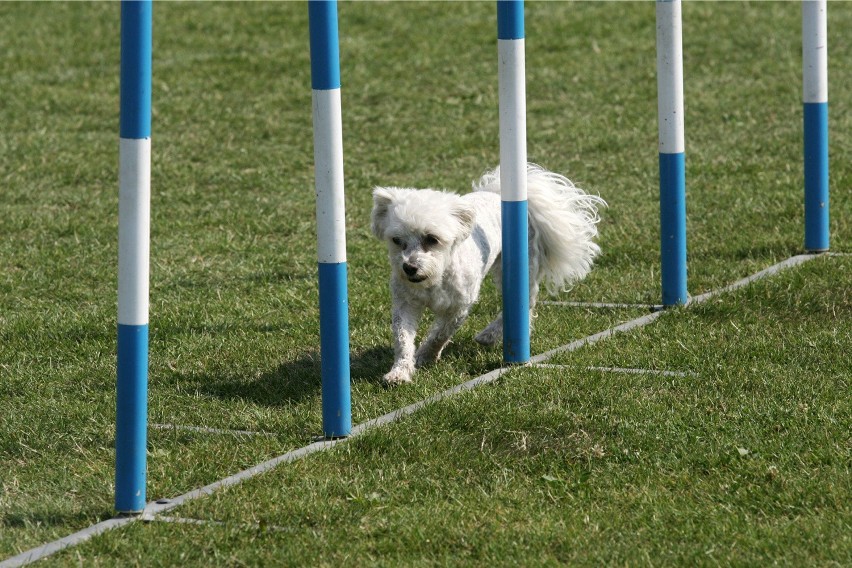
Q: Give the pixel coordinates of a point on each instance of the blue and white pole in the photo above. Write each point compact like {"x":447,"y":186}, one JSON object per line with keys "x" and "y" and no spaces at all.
{"x":815,"y":97}
{"x":134,"y":216}
{"x":331,"y":225}
{"x":671,"y":149}
{"x":513,"y":180}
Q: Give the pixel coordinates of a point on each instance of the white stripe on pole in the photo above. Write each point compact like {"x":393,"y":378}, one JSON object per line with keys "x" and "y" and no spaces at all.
{"x":134,"y":219}
{"x":513,"y":119}
{"x":328,"y":157}
{"x":670,"y":77}
{"x":815,"y":51}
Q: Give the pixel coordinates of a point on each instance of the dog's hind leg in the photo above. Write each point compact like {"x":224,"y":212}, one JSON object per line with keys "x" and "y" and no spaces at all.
{"x":493,"y":332}
{"x":535,"y":282}
{"x":438,"y":338}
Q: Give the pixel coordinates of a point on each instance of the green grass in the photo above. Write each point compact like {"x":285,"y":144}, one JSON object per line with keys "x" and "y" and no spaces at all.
{"x":741,"y":464}
{"x":544,"y":467}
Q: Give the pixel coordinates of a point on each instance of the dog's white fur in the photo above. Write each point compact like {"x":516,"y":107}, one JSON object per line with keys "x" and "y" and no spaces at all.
{"x":442,"y":245}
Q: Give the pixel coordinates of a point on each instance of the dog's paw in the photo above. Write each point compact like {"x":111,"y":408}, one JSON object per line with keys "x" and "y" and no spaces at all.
{"x":397,"y":376}
{"x":492,"y":334}
{"x":489,"y":336}
{"x":426,"y":358}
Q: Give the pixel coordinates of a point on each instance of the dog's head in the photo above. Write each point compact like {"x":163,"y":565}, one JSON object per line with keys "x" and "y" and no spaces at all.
{"x":421,"y":228}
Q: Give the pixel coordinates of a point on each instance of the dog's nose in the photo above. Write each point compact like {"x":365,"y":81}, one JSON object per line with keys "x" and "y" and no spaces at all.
{"x":409,"y":269}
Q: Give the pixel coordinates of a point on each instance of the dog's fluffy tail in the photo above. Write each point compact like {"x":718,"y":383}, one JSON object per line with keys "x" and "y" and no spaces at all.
{"x":563,"y":225}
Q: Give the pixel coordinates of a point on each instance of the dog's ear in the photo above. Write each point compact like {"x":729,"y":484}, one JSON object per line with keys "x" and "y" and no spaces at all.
{"x":382,"y":199}
{"x":465,"y":213}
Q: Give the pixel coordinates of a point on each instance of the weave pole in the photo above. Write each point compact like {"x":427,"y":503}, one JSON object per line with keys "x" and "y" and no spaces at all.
{"x":513,"y":181}
{"x":134,"y":220}
{"x":815,"y":102}
{"x":671,"y":151}
{"x":331,"y":226}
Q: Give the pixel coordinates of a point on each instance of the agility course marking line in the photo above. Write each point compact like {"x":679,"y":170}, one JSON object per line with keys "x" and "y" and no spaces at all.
{"x":621,"y":370}
{"x":605,"y":334}
{"x":206,"y":430}
{"x":162,"y":505}
{"x":646,"y":319}
{"x":603,"y":305}
{"x":65,"y":542}
{"x":643,"y":371}
{"x":155,"y":508}
{"x":775,"y":268}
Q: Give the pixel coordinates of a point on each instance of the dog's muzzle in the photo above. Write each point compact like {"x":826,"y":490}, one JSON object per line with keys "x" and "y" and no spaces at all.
{"x":411,"y":273}
{"x":409,"y":269}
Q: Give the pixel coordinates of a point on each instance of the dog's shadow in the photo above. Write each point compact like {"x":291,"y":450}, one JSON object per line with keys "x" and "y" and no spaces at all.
{"x":293,"y":381}
{"x":299,"y":380}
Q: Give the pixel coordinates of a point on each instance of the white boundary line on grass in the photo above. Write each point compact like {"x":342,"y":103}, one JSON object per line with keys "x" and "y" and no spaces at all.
{"x":74,"y":539}
{"x":603,"y":305}
{"x":160,"y":506}
{"x":792,"y":261}
{"x":630,"y":371}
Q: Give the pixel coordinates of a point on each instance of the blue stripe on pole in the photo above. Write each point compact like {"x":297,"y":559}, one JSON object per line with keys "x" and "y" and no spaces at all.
{"x":515,"y":259}
{"x":131,"y":420}
{"x":334,"y":350}
{"x":325,"y":52}
{"x":136,"y":33}
{"x":673,"y":228}
{"x":510,"y":19}
{"x":816,"y":177}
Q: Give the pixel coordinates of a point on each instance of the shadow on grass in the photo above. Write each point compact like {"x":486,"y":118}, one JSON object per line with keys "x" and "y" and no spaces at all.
{"x":293,"y":381}
{"x":52,"y":518}
{"x":300,"y":379}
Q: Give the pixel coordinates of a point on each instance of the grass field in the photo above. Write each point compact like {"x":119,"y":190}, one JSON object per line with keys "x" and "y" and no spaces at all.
{"x":743,"y":460}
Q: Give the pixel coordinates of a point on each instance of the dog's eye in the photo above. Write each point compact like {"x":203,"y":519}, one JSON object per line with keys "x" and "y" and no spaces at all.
{"x":397,"y":241}
{"x":431,"y":240}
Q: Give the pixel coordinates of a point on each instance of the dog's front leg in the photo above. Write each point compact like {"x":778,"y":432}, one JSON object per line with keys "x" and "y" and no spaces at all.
{"x":404,"y":325}
{"x":439,"y":336}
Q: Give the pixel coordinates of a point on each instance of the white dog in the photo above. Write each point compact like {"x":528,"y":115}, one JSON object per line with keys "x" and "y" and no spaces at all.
{"x":441,"y":245}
